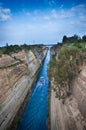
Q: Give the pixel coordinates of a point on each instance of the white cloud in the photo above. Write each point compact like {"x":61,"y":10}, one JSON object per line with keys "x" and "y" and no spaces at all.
{"x":36,"y":12}
{"x":46,"y":18}
{"x":7,"y":11}
{"x":79,"y":8}
{"x":5,"y":14}
{"x":41,"y":18}
{"x":28,"y":13}
{"x":76,"y":11}
{"x":44,"y":26}
{"x":47,"y":25}
{"x":54,"y":13}
{"x":62,"y":14}
{"x":52,"y":2}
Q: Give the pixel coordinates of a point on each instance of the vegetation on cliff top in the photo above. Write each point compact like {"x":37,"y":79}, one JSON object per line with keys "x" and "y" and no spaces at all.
{"x":8,"y":49}
{"x":65,"y":66}
{"x":75,"y":41}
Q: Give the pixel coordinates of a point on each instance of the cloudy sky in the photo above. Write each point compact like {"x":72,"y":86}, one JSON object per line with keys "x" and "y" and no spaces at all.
{"x":41,"y":21}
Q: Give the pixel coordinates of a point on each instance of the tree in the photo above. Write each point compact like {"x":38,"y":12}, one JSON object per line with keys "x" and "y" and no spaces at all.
{"x":84,"y":38}
{"x":64,"y":39}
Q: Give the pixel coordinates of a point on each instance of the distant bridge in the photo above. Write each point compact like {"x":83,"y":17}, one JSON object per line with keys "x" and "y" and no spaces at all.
{"x":49,"y":44}
{"x":44,"y":44}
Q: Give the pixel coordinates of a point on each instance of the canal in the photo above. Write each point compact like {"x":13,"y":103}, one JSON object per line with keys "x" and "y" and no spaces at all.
{"x":35,"y":114}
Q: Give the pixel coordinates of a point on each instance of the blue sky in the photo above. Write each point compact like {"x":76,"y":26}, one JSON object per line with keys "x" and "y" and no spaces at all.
{"x":41,"y":21}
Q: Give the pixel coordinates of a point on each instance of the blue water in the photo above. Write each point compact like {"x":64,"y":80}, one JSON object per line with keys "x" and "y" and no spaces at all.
{"x":35,"y":114}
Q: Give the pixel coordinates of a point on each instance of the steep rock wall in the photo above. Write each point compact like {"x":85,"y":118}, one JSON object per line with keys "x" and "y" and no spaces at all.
{"x":72,"y":114}
{"x":79,"y":91}
{"x":16,"y":94}
{"x":69,"y":114}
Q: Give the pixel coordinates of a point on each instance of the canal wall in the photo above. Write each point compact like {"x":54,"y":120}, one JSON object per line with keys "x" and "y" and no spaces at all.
{"x":10,"y":104}
{"x":70,"y":114}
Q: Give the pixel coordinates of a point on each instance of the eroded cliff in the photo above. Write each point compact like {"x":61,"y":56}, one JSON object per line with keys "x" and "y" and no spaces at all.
{"x":17,"y":74}
{"x":72,"y":114}
{"x":68,"y":107}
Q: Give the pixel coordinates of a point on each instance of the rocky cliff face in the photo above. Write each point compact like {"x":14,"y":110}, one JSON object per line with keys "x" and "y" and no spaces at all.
{"x":17,"y":74}
{"x":79,"y":91}
{"x":70,"y":115}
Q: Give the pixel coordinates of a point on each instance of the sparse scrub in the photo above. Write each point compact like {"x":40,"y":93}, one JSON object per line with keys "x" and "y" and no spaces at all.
{"x":65,"y":69}
{"x":9,"y":49}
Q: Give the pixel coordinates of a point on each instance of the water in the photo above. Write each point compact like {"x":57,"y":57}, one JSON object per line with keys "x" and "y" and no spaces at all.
{"x":35,"y":114}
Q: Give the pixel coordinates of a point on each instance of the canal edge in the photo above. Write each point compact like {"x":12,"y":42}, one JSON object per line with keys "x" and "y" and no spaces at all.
{"x":15,"y":123}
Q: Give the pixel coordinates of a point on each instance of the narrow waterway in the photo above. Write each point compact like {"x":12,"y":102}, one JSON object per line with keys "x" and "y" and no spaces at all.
{"x":35,"y":114}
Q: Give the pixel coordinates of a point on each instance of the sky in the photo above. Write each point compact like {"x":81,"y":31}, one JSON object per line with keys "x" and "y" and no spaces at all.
{"x":41,"y":21}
